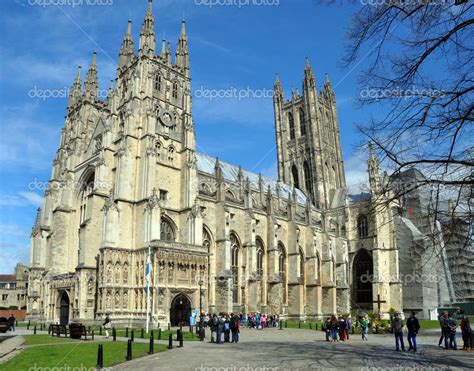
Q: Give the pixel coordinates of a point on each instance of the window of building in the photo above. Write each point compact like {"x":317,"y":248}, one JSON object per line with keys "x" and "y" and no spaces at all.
{"x":163,"y":195}
{"x":260,"y":255}
{"x":362,"y":226}
{"x":167,"y":231}
{"x":308,"y":181}
{"x":5,"y":297}
{"x":302,"y":122}
{"x":235,"y":249}
{"x":302,"y":264}
{"x":158,"y":82}
{"x":87,"y":188}
{"x":175,"y":90}
{"x":294,"y":172}
{"x":291,"y":125}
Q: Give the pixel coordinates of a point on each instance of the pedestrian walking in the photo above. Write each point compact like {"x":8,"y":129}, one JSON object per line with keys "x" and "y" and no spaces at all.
{"x":397,"y":326}
{"x":226,"y":329}
{"x":413,"y":327}
{"x":107,"y":324}
{"x":452,"y":332}
{"x":443,"y":323}
{"x":235,"y":328}
{"x":364,"y":328}
{"x":220,"y":329}
{"x":334,"y":328}
{"x":11,"y":322}
{"x":466,"y":331}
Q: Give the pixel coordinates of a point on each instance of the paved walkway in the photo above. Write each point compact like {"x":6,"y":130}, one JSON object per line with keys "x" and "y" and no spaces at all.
{"x":292,"y":349}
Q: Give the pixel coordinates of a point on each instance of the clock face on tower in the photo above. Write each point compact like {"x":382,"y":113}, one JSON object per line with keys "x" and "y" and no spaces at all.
{"x":166,"y":118}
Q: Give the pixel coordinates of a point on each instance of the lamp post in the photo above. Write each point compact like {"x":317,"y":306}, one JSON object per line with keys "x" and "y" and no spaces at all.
{"x":200,"y":283}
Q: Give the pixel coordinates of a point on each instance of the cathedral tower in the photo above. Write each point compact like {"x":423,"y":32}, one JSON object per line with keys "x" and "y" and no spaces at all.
{"x":308,"y":140}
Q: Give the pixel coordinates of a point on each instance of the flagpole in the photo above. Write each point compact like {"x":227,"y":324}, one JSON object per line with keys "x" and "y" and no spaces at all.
{"x":148,"y":290}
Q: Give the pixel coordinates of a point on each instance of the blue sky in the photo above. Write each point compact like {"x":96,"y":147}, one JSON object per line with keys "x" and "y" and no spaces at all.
{"x":230,"y":47}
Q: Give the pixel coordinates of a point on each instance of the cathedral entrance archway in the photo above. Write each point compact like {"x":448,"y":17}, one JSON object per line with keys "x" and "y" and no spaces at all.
{"x":180,"y":310}
{"x":64,"y":309}
{"x":363,"y":269}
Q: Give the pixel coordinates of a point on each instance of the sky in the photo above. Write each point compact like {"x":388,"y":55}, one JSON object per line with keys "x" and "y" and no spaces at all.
{"x":231,"y":46}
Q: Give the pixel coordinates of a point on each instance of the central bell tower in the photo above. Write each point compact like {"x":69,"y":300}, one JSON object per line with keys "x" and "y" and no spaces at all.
{"x":308,"y":140}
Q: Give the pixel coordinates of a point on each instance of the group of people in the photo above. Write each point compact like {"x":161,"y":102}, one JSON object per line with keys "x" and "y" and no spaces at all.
{"x":222,"y":324}
{"x":258,"y":321}
{"x":337,"y":329}
{"x":449,"y":328}
{"x":413,"y":326}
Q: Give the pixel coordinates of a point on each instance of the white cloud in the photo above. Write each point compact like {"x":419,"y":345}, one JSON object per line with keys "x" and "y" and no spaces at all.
{"x":22,"y":199}
{"x":356,"y":173}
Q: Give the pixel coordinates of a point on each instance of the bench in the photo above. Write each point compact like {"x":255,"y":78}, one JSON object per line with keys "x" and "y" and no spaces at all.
{"x":58,"y":330}
{"x":77,"y":331}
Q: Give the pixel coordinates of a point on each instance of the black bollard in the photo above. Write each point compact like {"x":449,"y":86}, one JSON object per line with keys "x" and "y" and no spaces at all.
{"x":202,"y":333}
{"x":100,"y":331}
{"x":132,"y":336}
{"x":126,"y":332}
{"x":286,"y":324}
{"x":299,"y":324}
{"x":281,"y":325}
{"x":100,"y":357}
{"x":151,"y":350}
{"x":352,"y":330}
{"x":170,"y":341}
{"x":34,"y":331}
{"x":28,"y":325}
{"x":143,"y":333}
{"x":89,"y":329}
{"x":92,"y":335}
{"x":180,"y":338}
{"x":191,"y":329}
{"x":159,"y":334}
{"x":129,"y":350}
{"x":49,"y":330}
{"x":169,"y":326}
{"x":114,"y":334}
{"x":16,"y":323}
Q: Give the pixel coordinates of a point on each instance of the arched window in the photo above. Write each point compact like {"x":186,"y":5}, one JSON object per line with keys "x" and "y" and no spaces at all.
{"x":260,"y":256}
{"x":158,"y":82}
{"x":166,"y":232}
{"x":291,"y":125}
{"x":302,"y":122}
{"x":362,"y":226}
{"x":282,"y":268}
{"x":294,"y":172}
{"x":206,"y":239}
{"x":235,"y":249}
{"x":308,"y":181}
{"x":175,"y":90}
{"x":302,"y":264}
{"x":318,"y":268}
{"x":86,"y":190}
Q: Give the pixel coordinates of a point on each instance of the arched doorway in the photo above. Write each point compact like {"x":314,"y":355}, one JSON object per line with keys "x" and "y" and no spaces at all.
{"x":64,"y":309}
{"x":363,"y":269}
{"x":180,"y":310}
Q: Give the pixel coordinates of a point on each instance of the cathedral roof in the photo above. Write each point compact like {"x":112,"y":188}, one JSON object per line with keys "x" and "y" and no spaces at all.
{"x":206,"y":164}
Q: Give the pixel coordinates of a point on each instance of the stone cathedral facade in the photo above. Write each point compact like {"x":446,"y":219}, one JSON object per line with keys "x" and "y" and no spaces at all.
{"x":127,"y":177}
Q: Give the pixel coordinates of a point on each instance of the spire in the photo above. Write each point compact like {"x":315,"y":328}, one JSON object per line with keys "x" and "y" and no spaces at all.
{"x":147,"y":35}
{"x":38,"y":217}
{"x":374,"y":169}
{"x":128,"y":48}
{"x":218,"y":170}
{"x":163,"y":49}
{"x":91,"y":83}
{"x":168,"y":53}
{"x":76,"y":90}
{"x":277,"y":88}
{"x":182,"y":52}
{"x":309,"y":80}
{"x":328,"y":88}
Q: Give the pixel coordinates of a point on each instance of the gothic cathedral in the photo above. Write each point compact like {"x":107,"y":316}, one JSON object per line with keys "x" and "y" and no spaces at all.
{"x":127,"y":178}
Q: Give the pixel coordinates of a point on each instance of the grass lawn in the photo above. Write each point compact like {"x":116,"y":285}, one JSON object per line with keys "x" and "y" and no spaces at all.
{"x":45,"y":339}
{"x":77,"y":354}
